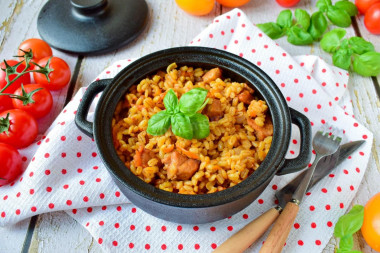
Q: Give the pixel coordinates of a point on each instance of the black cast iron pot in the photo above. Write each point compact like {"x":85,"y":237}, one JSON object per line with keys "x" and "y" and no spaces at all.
{"x":194,"y":208}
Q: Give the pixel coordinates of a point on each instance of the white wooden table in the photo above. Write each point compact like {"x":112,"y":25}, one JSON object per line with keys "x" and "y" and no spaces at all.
{"x":168,"y":27}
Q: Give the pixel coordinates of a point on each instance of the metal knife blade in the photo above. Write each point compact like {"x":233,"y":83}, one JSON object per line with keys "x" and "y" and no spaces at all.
{"x":323,"y":168}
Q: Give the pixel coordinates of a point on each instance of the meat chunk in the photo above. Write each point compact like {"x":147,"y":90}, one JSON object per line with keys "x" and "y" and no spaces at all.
{"x":143,"y":156}
{"x":261,"y":132}
{"x":245,"y":97}
{"x":212,"y":75}
{"x":179,"y":166}
{"x":214,"y":110}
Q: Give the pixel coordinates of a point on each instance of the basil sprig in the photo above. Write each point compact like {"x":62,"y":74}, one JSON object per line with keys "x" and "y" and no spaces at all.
{"x":182,"y":116}
{"x":348,"y":225}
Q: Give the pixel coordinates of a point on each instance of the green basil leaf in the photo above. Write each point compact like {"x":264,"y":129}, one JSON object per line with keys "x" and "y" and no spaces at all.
{"x":181,"y":126}
{"x":159,"y":123}
{"x":331,"y":40}
{"x":360,"y":45}
{"x":338,"y":17}
{"x":318,"y":25}
{"x":346,"y":243}
{"x":284,"y":19}
{"x":367,"y":64}
{"x":271,"y":29}
{"x":347,"y":6}
{"x":322,"y":5}
{"x":303,"y":18}
{"x":201,"y":126}
{"x":170,"y":101}
{"x":297,"y":36}
{"x":350,"y":223}
{"x":344,"y":44}
{"x":342,"y":58}
{"x":192,"y":101}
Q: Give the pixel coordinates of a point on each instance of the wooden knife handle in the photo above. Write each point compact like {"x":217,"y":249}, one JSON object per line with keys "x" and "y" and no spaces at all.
{"x":242,"y":239}
{"x":281,"y":229}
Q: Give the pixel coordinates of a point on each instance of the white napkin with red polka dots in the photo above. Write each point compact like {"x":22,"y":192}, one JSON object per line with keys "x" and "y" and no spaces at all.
{"x":64,"y":171}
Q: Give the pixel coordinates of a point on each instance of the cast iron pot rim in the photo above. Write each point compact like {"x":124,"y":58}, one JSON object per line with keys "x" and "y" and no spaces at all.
{"x":115,"y":90}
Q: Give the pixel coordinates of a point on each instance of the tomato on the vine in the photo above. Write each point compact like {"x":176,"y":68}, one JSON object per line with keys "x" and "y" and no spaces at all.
{"x":371,"y":224}
{"x":24,"y":79}
{"x":232,"y":3}
{"x":196,"y":7}
{"x":372,"y":19}
{"x":59,"y":77}
{"x":11,"y":164}
{"x":40,"y":49}
{"x":17,"y":128}
{"x":363,"y":5}
{"x":42,"y":104}
{"x":287,"y":3}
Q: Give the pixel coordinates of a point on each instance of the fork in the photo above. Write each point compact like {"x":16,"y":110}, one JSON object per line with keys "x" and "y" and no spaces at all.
{"x":324,"y":144}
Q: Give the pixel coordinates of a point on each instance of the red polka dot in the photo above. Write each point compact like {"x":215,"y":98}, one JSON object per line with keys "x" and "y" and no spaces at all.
{"x":212,"y":229}
{"x":81,"y":182}
{"x":260,"y":35}
{"x":296,"y":80}
{"x":66,"y":186}
{"x":104,"y":208}
{"x":49,"y":189}
{"x":79,"y":170}
{"x":327,"y":207}
{"x":147,"y":228}
{"x":245,"y":216}
{"x":79,"y":154}
{"x":336,"y":98}
{"x":232,"y":30}
{"x":195,"y":228}
{"x":89,"y":209}
{"x":132,"y":227}
{"x":47,"y":172}
{"x":117,"y":225}
{"x":163,"y":228}
{"x":114,"y":243}
{"x":100,"y":240}
{"x":94,"y":154}
{"x":133,"y":210}
{"x":314,"y":91}
{"x":118,"y":208}
{"x":329,"y":224}
{"x":313,"y":225}
{"x":271,"y":58}
{"x":319,"y":106}
{"x":357,"y":170}
{"x":300,"y":243}
{"x":258,"y":63}
{"x":196,"y":246}
{"x":296,"y":225}
{"x":318,"y":242}
{"x":69,"y":202}
{"x":117,"y":194}
{"x":163,"y":247}
{"x":312,"y":208}
{"x":260,"y":201}
{"x":3,"y":214}
{"x":236,"y":41}
{"x":180,"y":246}
{"x":331,"y":175}
{"x":95,"y":167}
{"x":225,"y":47}
{"x":248,"y":38}
{"x":85,"y":199}
{"x":179,"y":228}
{"x":33,"y":209}
{"x":323,"y":70}
{"x":230,"y":228}
{"x":282,"y":85}
{"x":31,"y":174}
{"x":352,"y":187}
{"x":5,"y":197}
{"x":361,"y":153}
{"x":324,"y":84}
{"x":288,"y":99}
{"x":253,"y":50}
{"x":277,"y":71}
{"x":211,"y":36}
{"x":308,"y":77}
{"x":74,"y":211}
{"x":131,"y":245}
{"x":18,"y":212}
{"x":323,"y":121}
{"x":346,"y":171}
{"x":302,"y":64}
{"x":290,"y":66}
{"x":101,"y":223}
{"x":339,"y":189}
{"x":31,"y":191}
{"x":51,"y":205}
{"x":341,"y":205}
{"x":305,"y":109}
{"x":18,"y":194}
{"x":324,"y":190}
{"x":365,"y":137}
{"x":63,"y":155}
{"x":266,"y":46}
{"x":46,"y":155}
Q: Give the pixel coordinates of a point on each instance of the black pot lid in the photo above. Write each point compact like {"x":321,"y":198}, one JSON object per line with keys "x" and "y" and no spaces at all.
{"x":91,"y":26}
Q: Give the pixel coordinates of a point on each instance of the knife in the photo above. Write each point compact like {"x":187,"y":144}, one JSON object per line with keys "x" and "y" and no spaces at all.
{"x":241,"y":240}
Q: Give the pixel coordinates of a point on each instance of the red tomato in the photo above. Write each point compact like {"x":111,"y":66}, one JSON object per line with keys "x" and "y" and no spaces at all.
{"x":22,"y":129}
{"x":43,"y":101}
{"x":196,"y":7}
{"x":5,"y":103}
{"x":372,"y":19}
{"x":40,"y":49}
{"x":59,"y":77}
{"x":232,"y":3}
{"x":371,"y":222}
{"x":10,"y":160}
{"x":287,"y":3}
{"x":24,"y":79}
{"x":363,"y":5}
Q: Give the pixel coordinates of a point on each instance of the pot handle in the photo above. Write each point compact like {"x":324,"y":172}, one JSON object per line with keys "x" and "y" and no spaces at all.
{"x":81,"y":116}
{"x":303,"y":159}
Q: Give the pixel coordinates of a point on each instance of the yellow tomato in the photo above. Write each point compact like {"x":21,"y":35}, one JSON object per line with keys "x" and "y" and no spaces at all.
{"x":196,"y":7}
{"x":371,"y":223}
{"x":232,"y":3}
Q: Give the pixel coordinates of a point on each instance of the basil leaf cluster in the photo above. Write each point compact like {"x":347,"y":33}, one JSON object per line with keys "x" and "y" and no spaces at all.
{"x":182,"y":115}
{"x":348,"y":225}
{"x":339,"y":14}
{"x":354,"y":51}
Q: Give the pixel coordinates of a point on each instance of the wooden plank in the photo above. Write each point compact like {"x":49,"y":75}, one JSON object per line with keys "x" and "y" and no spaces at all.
{"x":12,"y":237}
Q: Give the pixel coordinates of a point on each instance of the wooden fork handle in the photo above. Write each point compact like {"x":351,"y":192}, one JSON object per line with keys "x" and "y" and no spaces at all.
{"x":242,"y":239}
{"x":281,"y":229}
